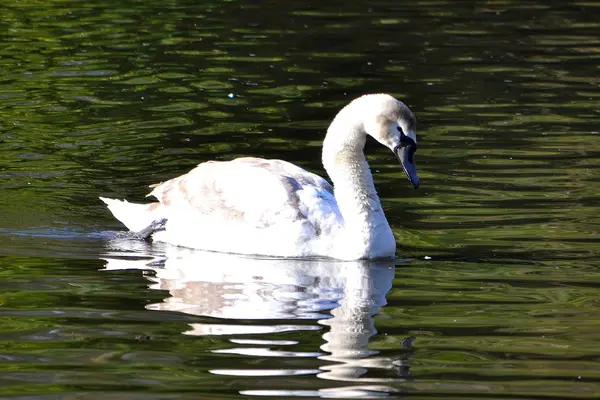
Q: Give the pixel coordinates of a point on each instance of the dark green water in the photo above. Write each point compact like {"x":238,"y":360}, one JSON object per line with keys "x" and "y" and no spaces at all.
{"x":105,"y":98}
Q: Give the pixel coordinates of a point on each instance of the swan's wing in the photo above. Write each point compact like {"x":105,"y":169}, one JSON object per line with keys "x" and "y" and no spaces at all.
{"x":251,"y":191}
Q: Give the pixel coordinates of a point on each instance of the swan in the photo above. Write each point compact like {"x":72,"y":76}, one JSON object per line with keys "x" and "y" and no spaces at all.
{"x":255,"y":206}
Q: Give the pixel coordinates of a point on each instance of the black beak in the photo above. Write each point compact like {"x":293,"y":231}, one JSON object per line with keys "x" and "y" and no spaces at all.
{"x":406,"y":155}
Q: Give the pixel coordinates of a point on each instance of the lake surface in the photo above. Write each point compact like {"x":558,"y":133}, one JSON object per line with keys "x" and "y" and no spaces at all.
{"x":496,"y":291}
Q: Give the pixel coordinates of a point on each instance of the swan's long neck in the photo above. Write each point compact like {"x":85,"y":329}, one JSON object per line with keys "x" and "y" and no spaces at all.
{"x":365,"y":227}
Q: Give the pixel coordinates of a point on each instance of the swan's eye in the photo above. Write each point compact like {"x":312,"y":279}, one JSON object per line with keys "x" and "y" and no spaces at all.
{"x":403,"y":136}
{"x":406,"y":141}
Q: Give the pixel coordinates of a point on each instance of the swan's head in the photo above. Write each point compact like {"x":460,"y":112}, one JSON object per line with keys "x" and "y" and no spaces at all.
{"x":391,"y":123}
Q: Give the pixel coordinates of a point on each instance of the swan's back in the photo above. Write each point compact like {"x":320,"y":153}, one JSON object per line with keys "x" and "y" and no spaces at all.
{"x":248,"y":206}
{"x":250,"y":191}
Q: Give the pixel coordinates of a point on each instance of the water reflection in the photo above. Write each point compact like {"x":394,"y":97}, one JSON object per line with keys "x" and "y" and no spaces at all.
{"x":252,"y":296}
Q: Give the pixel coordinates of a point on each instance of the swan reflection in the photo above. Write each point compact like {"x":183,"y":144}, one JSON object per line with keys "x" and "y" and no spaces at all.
{"x":242,"y":293}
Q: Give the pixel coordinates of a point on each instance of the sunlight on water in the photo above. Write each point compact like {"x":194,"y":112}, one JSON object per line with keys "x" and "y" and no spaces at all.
{"x":495,"y":294}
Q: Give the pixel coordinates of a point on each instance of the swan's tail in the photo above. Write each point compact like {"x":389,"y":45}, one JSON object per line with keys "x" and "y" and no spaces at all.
{"x":135,"y":217}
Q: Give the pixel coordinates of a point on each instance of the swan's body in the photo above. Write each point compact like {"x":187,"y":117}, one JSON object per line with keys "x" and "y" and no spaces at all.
{"x":274,"y":208}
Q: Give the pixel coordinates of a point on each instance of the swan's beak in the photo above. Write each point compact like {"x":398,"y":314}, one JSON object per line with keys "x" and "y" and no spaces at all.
{"x":406,"y":155}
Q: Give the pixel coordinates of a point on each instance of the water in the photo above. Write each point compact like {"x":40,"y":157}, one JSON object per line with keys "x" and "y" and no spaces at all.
{"x":495,"y":295}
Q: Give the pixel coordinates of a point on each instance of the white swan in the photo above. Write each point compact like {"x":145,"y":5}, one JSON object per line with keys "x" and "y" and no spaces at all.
{"x":271,"y":207}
